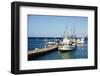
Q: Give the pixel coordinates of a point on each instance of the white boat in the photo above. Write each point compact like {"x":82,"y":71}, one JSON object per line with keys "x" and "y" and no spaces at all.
{"x":80,"y":41}
{"x":66,"y":48}
{"x":51,"y":42}
{"x":67,"y":45}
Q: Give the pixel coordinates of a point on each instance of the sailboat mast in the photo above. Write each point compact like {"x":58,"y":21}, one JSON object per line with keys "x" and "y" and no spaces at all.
{"x":65,"y":31}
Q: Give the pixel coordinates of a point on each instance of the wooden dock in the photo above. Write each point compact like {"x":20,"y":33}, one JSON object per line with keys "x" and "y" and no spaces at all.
{"x":38,"y":52}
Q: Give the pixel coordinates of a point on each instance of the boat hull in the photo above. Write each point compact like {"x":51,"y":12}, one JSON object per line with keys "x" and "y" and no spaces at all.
{"x":67,"y":48}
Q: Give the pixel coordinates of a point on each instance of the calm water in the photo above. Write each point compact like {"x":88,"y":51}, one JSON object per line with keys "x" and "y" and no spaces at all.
{"x":80,"y":51}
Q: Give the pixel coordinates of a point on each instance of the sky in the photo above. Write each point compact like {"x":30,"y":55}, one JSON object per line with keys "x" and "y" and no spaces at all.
{"x":54,"y":26}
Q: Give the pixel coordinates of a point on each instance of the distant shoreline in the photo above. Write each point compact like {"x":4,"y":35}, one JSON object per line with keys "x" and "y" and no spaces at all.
{"x":51,"y":37}
{"x":45,"y":37}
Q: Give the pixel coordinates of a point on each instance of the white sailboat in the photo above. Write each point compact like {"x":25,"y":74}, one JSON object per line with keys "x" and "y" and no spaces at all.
{"x":67,"y":43}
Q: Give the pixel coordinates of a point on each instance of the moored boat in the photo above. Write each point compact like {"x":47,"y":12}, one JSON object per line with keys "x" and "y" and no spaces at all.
{"x":80,"y":41}
{"x":66,"y":48}
{"x":67,"y":44}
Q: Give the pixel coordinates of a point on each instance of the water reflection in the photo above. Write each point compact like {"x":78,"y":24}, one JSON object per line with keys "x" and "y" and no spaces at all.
{"x":65,"y":55}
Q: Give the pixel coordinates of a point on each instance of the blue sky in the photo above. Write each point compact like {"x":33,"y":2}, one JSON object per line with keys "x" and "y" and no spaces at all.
{"x":54,"y":26}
